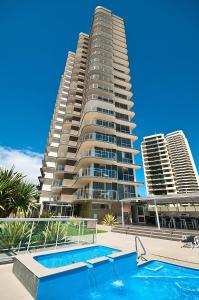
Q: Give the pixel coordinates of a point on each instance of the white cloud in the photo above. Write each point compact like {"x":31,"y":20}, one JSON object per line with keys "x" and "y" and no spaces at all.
{"x":25,"y":161}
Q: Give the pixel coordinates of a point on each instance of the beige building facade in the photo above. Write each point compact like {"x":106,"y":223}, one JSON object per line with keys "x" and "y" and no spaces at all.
{"x":89,"y":158}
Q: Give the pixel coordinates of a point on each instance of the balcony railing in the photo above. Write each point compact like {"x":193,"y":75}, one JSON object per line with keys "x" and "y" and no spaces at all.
{"x":106,"y":155}
{"x":60,"y":167}
{"x":101,"y":154}
{"x":96,"y":172}
{"x":57,"y":183}
{"x":108,"y":195}
{"x":105,"y":173}
{"x":98,"y":137}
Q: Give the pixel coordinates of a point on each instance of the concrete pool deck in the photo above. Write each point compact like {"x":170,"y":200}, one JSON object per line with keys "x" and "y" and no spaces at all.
{"x":166,"y":250}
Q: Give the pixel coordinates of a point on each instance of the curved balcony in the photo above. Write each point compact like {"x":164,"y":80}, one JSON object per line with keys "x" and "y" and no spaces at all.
{"x":101,"y":140}
{"x":101,"y":195}
{"x":97,"y":172}
{"x":103,"y":157}
{"x":107,"y":127}
{"x":56,"y":184}
{"x":108,"y":114}
{"x":94,"y":112}
{"x":102,"y":173}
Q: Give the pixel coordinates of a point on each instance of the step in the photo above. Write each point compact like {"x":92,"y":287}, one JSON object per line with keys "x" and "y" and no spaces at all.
{"x":149,"y":231}
{"x":157,"y":236}
{"x":154,"y":229}
{"x":139,"y":232}
{"x":153,"y":236}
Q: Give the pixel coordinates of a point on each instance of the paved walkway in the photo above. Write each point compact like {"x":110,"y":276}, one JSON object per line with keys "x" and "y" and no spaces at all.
{"x":12,"y":289}
{"x":166,"y":250}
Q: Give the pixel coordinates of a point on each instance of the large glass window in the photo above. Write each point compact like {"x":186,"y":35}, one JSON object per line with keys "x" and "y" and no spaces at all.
{"x":121,"y":116}
{"x":105,"y":123}
{"x":123,"y":142}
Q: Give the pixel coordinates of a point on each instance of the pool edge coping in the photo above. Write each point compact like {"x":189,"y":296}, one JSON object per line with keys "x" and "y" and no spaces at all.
{"x":41,"y":271}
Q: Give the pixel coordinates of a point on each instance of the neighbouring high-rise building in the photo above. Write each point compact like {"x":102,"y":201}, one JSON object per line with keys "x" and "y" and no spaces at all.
{"x":168,"y":164}
{"x":89,"y":158}
{"x":183,"y":165}
{"x":158,"y":172}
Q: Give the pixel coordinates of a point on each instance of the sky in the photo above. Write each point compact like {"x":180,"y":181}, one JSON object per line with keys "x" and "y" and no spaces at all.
{"x":35,"y":36}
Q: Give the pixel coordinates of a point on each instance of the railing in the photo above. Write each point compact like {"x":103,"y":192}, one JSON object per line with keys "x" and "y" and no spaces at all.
{"x":101,"y":154}
{"x":105,"y":173}
{"x":142,"y":254}
{"x":106,"y":155}
{"x":97,"y":173}
{"x":57,"y":183}
{"x":100,"y":110}
{"x":106,"y":138}
{"x":98,"y":137}
{"x":95,"y":194}
{"x":23,"y":235}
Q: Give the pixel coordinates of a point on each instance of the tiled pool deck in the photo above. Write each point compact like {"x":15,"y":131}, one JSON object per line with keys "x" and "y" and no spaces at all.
{"x":170,"y":251}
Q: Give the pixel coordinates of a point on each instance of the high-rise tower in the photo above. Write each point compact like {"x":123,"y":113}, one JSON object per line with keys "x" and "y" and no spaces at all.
{"x":183,"y":166}
{"x":168,"y":164}
{"x":89,"y":158}
{"x":157,"y":166}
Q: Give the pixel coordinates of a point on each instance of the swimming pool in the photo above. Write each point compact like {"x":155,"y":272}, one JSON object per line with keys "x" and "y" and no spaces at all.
{"x":119,"y":277}
{"x":68,"y":257}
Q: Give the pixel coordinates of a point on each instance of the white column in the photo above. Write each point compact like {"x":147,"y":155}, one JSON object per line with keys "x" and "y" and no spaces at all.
{"x":122,"y":209}
{"x":157,"y":216}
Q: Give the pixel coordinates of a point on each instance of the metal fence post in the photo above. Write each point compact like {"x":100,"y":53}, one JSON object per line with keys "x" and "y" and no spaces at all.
{"x":46,"y":235}
{"x":79,"y":230}
{"x":57,"y":234}
{"x":33,"y":223}
{"x":19,"y":247}
{"x":95,"y":238}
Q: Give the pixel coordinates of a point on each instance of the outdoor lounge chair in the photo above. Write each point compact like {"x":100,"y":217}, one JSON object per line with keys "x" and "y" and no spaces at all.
{"x":196,"y":242}
{"x":188,"y":241}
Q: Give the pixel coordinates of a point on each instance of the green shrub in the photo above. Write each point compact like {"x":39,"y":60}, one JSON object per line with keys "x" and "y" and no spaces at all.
{"x":109,"y":220}
{"x":14,"y":233}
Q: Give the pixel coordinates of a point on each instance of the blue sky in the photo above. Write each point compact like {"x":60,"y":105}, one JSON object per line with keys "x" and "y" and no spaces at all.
{"x":163,"y":45}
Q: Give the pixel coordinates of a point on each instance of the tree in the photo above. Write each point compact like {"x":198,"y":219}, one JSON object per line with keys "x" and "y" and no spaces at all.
{"x":16,"y":194}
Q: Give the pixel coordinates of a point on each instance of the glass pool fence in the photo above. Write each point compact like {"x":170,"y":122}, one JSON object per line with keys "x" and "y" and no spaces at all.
{"x":23,"y":235}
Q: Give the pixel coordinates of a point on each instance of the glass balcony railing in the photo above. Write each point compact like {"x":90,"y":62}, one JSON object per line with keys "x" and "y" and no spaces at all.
{"x":99,"y":109}
{"x":105,"y":173}
{"x":95,"y":194}
{"x":105,"y":138}
{"x":98,"y":137}
{"x":97,"y":172}
{"x":100,"y":154}
{"x":60,"y":167}
{"x":108,"y":195}
{"x":106,"y":155}
{"x":57,"y":183}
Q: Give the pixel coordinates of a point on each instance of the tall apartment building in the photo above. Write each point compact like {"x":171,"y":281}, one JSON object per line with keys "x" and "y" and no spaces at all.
{"x":158,"y":172}
{"x":89,"y":158}
{"x":183,"y":166}
{"x":168,"y":164}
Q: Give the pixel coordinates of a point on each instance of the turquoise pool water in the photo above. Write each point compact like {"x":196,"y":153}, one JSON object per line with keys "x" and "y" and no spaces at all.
{"x":121,"y":278}
{"x":69,"y":257}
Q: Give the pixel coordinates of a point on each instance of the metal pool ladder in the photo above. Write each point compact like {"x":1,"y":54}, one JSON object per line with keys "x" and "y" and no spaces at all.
{"x":142,"y":254}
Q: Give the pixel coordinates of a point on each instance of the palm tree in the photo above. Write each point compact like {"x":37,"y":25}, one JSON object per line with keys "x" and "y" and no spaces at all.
{"x":9,"y":181}
{"x":15,"y":194}
{"x":26,"y":198}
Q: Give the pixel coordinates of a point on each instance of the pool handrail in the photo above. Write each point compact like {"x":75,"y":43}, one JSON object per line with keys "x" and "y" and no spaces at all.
{"x":141,"y":256}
